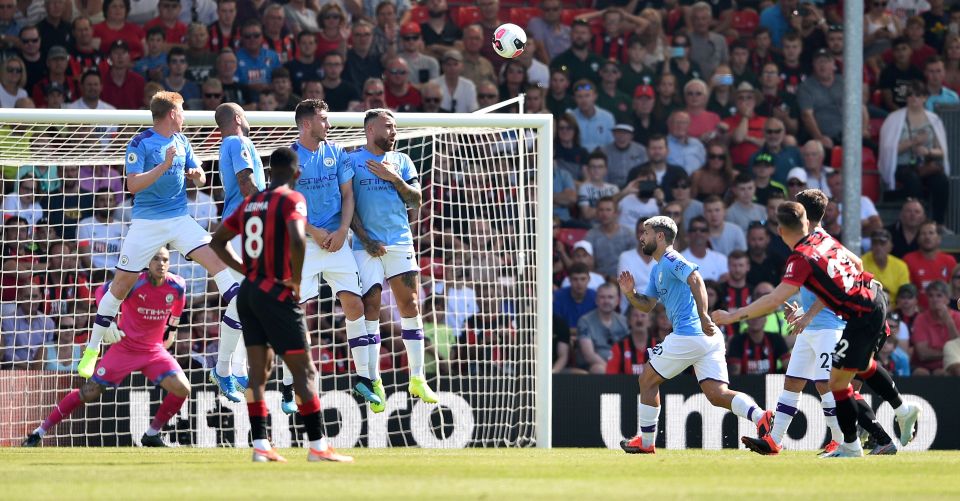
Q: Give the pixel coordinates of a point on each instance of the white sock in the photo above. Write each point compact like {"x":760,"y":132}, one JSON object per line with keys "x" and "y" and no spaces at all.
{"x":829,"y":404}
{"x":230,"y":334}
{"x":357,"y":338}
{"x":745,"y":407}
{"x":786,"y":409}
{"x":151,"y":432}
{"x":287,"y":376}
{"x":225,"y":280}
{"x":319,"y":445}
{"x":40,"y":431}
{"x":412,"y":328}
{"x":108,"y":307}
{"x":648,"y":417}
{"x":262,"y":444}
{"x":903,"y":410}
{"x":238,"y":363}
{"x":373,"y":347}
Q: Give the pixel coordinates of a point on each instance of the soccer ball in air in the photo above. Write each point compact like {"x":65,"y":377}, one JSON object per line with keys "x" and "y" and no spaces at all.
{"x":508,"y":40}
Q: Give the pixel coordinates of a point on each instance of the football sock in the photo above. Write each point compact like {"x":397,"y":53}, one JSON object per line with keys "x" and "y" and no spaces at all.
{"x":786,"y":410}
{"x":744,"y":406}
{"x":868,"y":421}
{"x":106,"y":312}
{"x":357,"y":339}
{"x":287,"y":376}
{"x":373,"y":347}
{"x":648,"y":417}
{"x":412,"y":331}
{"x":846,"y":413}
{"x":310,"y":412}
{"x":882,"y":384}
{"x":258,"y":420}
{"x":238,"y":363}
{"x":152,"y":432}
{"x":829,"y":405}
{"x":319,"y":445}
{"x":168,"y":408}
{"x":63,"y":409}
{"x":262,"y":444}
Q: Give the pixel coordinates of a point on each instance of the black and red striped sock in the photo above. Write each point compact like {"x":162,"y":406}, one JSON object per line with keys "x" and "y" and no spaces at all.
{"x":310,"y":412}
{"x":258,"y":419}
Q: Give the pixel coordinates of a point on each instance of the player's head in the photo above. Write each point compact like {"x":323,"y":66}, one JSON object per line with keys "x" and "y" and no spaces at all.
{"x":283,"y":167}
{"x":815,"y":203}
{"x":167,"y":108}
{"x":793,"y":221}
{"x":159,"y":264}
{"x":231,"y":118}
{"x":658,"y":234}
{"x":311,"y":118}
{"x":380,"y":128}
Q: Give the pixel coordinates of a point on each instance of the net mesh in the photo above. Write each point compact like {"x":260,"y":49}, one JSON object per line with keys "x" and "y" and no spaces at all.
{"x":66,"y":214}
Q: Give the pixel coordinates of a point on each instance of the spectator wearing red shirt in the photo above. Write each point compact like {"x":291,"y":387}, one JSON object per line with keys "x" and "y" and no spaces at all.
{"x":57,"y":63}
{"x":84,"y":54}
{"x":757,"y":351}
{"x":703,"y":123}
{"x":225,"y":33}
{"x":913,"y":33}
{"x":122,"y":87}
{"x":401,"y":96}
{"x":736,"y":290}
{"x":63,"y":283}
{"x":116,"y":27}
{"x":928,"y":263}
{"x":630,"y":353}
{"x":932,"y":329}
{"x":276,"y":36}
{"x":175,"y":31}
{"x":746,"y":127}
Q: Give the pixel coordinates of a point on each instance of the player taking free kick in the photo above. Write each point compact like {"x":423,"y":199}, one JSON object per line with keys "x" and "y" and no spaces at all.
{"x":271,"y":228}
{"x":695,"y":339}
{"x":148,"y":321}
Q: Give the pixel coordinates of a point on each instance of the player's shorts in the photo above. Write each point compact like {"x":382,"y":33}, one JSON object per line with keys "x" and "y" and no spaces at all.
{"x":398,"y":260}
{"x":707,"y":355}
{"x":863,"y":335}
{"x":811,"y":355}
{"x":338,"y":269}
{"x":120,"y":360}
{"x":267,"y":321}
{"x":146,"y":236}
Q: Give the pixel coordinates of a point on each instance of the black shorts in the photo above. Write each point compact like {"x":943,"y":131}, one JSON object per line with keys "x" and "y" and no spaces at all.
{"x":268,"y":321}
{"x":862,"y":336}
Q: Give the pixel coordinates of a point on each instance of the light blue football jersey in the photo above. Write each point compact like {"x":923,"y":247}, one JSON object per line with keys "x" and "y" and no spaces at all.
{"x":237,"y":154}
{"x":167,"y":197}
{"x":382,"y":211}
{"x":668,"y":283}
{"x":826,"y":319}
{"x":321,"y":174}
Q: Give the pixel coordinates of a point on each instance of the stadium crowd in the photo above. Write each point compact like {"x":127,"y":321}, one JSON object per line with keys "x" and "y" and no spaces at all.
{"x":710,"y":113}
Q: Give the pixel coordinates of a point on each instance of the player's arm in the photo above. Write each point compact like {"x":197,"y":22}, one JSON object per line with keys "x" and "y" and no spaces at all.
{"x":296,"y":229}
{"x":760,"y":307}
{"x":639,"y":301}
{"x":219,"y":242}
{"x":170,"y":336}
{"x":137,"y":180}
{"x":804,"y":320}
{"x":246,"y":184}
{"x":373,"y":247}
{"x":699,"y":291}
{"x":348,"y":204}
{"x":409,"y":190}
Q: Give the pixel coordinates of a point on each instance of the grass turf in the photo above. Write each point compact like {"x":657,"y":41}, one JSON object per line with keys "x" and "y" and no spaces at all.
{"x":132,"y":473}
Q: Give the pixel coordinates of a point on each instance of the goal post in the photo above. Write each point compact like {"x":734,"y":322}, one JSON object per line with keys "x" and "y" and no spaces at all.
{"x":484,"y":236}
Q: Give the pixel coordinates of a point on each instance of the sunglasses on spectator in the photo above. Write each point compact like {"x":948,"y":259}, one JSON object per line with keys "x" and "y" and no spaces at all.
{"x":584,"y":87}
{"x":374,"y":92}
{"x":431,"y":99}
{"x":252,"y":35}
{"x":714,"y":156}
{"x":14,"y":69}
{"x":773,"y":131}
{"x":487,"y":96}
{"x":398,"y":72}
{"x":212,"y":95}
{"x":411,"y":38}
{"x":694,"y":93}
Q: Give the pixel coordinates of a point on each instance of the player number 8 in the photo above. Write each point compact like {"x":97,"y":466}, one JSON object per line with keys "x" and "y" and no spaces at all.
{"x":253,"y":243}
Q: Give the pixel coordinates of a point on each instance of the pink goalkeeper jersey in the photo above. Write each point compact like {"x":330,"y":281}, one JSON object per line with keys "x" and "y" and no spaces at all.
{"x":145,"y":312}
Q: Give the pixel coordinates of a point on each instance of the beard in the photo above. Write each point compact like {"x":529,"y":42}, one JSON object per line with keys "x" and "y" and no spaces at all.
{"x":245,"y":128}
{"x":384,"y":143}
{"x":577,"y":45}
{"x":436,"y":14}
{"x":649,"y":248}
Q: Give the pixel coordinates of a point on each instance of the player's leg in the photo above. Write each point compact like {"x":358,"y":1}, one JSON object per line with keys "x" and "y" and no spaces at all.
{"x":823,"y":344}
{"x":404,"y":279}
{"x":881,"y":442}
{"x":371,"y":282}
{"x":648,"y":412}
{"x":799,"y":371}
{"x":88,"y":392}
{"x":882,"y":384}
{"x":164,"y":371}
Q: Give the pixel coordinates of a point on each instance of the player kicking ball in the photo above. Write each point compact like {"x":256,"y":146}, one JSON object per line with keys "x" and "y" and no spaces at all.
{"x":821,"y":264}
{"x":386,"y":184}
{"x":148,"y":320}
{"x":159,"y":163}
{"x":695,"y":339}
{"x":271,"y":228}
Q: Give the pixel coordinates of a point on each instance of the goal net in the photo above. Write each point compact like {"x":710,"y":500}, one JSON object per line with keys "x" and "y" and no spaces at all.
{"x":483,"y":237}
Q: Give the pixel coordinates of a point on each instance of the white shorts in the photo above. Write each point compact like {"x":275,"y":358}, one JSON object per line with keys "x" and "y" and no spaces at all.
{"x":146,"y":236}
{"x":336,"y":268}
{"x":398,"y":260}
{"x":811,"y":355}
{"x":707,"y":355}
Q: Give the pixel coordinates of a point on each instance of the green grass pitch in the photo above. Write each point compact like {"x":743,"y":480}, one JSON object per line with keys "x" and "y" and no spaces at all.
{"x":490,"y":474}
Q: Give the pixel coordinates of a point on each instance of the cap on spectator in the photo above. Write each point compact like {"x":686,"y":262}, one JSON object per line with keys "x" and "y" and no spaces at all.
{"x":822,"y":54}
{"x":763,"y":158}
{"x":119,"y":44}
{"x":644,"y":91}
{"x":52,"y":87}
{"x":745,"y":86}
{"x":410,"y":28}
{"x":623,"y":127}
{"x":797,"y":173}
{"x":909,"y":290}
{"x":585,"y":245}
{"x":452,"y":54}
{"x":57,"y":52}
{"x":881,"y":235}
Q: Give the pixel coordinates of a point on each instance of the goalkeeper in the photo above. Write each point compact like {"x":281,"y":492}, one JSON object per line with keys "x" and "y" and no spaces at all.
{"x":148,"y":323}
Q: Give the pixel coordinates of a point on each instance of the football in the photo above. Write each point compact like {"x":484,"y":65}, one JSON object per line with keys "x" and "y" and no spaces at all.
{"x":508,"y":40}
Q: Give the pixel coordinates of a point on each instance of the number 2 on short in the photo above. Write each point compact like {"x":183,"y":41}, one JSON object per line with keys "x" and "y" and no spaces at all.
{"x":825,"y":364}
{"x":841,"y":348}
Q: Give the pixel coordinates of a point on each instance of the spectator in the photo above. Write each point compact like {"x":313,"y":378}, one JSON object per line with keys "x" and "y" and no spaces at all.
{"x":535,"y":102}
{"x":400,"y":94}
{"x":920,"y":51}
{"x":282,"y":88}
{"x":513,"y":80}
{"x":23,"y":203}
{"x":574,"y":301}
{"x":225,"y":32}
{"x":674,"y":211}
{"x":932,"y":329}
{"x":609,"y":238}
{"x":34,"y":63}
{"x":583,"y":253}
{"x":594,"y":187}
{"x":57,"y":60}
{"x":423,"y":67}
{"x":595,"y":124}
{"x":62,"y":283}
{"x":757,"y":351}
{"x":895,"y":78}
{"x":233,"y":91}
{"x":300,"y":18}
{"x":306,"y":66}
{"x":935,"y":73}
{"x":778,"y":19}
{"x":928,"y":263}
{"x":665,"y":174}
{"x":951,"y":59}
{"x":746,"y":127}
{"x":879,"y":29}
{"x":561,"y":345}
{"x":891,"y":356}
{"x":735,"y":291}
{"x":559,"y":99}
{"x":914,"y":152}
{"x":831,"y":221}
{"x":312,"y":89}
{"x":889,"y":270}
{"x":785,"y":158}
{"x":153,"y":65}
{"x":212,"y":91}
{"x":84,"y":54}
{"x":629,"y":355}
{"x":267,"y":101}
{"x":255,"y":64}
{"x":635,"y":71}
{"x":908,"y":304}
{"x":636,"y":262}
{"x":743,"y":210}
{"x":722,"y":99}
{"x":740,"y":64}
{"x":477,"y":67}
{"x":439,"y":32}
{"x":703,"y":123}
{"x":680,"y":64}
{"x":46,"y":175}
{"x":796,"y":182}
{"x":70,"y":204}
{"x":568,"y":154}
{"x":685,"y":151}
{"x":821,"y":101}
{"x":763,"y":168}
{"x":116,"y":27}
{"x":869,"y":217}
{"x":25,"y":329}
{"x":624,"y":154}
{"x":667,"y":100}
{"x":599,"y":330}
{"x":712,"y":264}
{"x":175,"y":31}
{"x":690,"y":207}
{"x":609,"y":95}
{"x":276,"y":36}
{"x":813,"y":155}
{"x":122,"y":87}
{"x":548,"y":29}
{"x":936,"y":21}
{"x":12,"y":82}
{"x":100,"y":235}
{"x":707,"y":48}
{"x":640,"y":199}
{"x":177,"y":79}
{"x":199,"y":58}
{"x":373,"y":96}
{"x":724,"y":238}
{"x":793,"y":71}
{"x":431,"y":96}
{"x":776,"y":102}
{"x":716,"y":176}
{"x":459,"y":94}
{"x":10,"y":27}
{"x":644,"y":124}
{"x":581,"y":63}
{"x":17,"y":244}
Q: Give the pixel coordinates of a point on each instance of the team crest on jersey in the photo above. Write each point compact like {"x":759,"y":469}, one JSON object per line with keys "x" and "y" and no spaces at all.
{"x":328,"y":162}
{"x":131,"y":158}
{"x":245,"y":154}
{"x":101,"y":371}
{"x":660,"y":277}
{"x":169,"y":298}
{"x":301,"y":209}
{"x":124,"y":259}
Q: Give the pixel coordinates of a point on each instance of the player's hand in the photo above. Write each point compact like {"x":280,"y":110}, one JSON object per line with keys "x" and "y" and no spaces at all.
{"x":626,"y":281}
{"x":374,"y":248}
{"x":709,"y":328}
{"x":800,"y":324}
{"x":169,"y":154}
{"x":334,"y":241}
{"x":722,"y":317}
{"x":293,"y":286}
{"x":792,"y":311}
{"x":319,"y":235}
{"x":385,"y":170}
{"x":193,"y":174}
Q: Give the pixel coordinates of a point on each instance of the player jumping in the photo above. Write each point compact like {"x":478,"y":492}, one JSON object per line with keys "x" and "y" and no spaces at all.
{"x":271,"y":225}
{"x":159,"y":162}
{"x":823,"y":265}
{"x":695,"y":339}
{"x":242,"y":174}
{"x":148,"y":320}
{"x":386,"y":184}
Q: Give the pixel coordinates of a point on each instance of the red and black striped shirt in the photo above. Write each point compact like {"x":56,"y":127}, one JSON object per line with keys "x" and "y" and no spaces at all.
{"x":822,"y":264}
{"x":261,"y":220}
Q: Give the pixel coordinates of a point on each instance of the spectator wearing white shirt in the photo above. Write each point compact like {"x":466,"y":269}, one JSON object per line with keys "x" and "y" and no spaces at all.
{"x":23,"y":203}
{"x":685,"y":151}
{"x":459,"y":94}
{"x":90,"y":88}
{"x":100,"y":235}
{"x":713,"y":265}
{"x":637,"y":263}
{"x":609,"y":238}
{"x":640,"y":199}
{"x":595,"y":187}
{"x":813,"y":156}
{"x":538,"y":74}
{"x":724,"y":237}
{"x":583,"y":253}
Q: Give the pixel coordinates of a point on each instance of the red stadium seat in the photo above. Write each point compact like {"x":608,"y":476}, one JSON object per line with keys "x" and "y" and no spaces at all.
{"x":745,"y":22}
{"x":870,"y":178}
{"x":521,"y":16}
{"x":419,"y":14}
{"x":465,"y":15}
{"x":571,"y":236}
{"x":431,"y":267}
